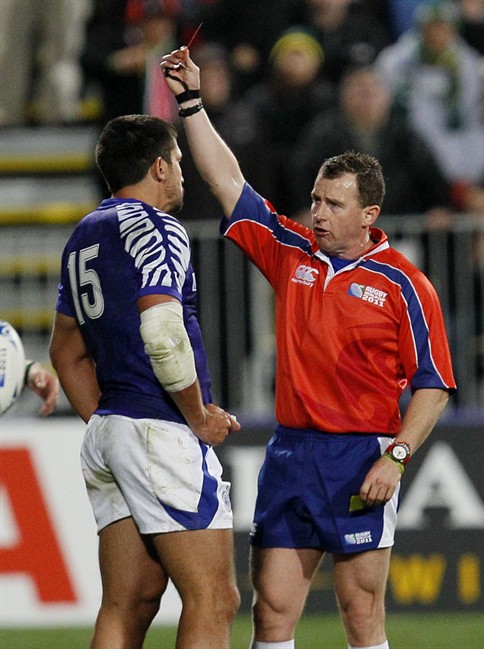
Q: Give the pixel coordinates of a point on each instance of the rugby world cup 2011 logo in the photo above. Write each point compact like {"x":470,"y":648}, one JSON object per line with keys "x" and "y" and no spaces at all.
{"x":305,"y":275}
{"x":368,"y":294}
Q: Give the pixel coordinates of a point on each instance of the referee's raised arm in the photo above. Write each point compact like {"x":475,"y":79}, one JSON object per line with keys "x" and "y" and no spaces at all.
{"x":214,"y":160}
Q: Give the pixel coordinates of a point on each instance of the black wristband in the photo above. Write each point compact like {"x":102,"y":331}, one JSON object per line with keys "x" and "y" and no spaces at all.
{"x":28,"y":365}
{"x":191,"y":110}
{"x":187,"y":94}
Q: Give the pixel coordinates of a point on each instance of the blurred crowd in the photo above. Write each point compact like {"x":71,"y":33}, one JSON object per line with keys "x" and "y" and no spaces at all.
{"x":287,"y":83}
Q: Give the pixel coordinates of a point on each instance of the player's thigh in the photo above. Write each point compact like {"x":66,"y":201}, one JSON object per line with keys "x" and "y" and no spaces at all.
{"x":130,"y":569}
{"x":361,"y":575}
{"x":198,"y":562}
{"x":282,"y":576}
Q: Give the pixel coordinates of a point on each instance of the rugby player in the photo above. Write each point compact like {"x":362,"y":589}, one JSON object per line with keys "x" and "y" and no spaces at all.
{"x":128,"y":350}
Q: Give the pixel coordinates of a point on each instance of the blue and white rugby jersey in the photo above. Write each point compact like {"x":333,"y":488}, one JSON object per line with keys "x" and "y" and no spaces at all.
{"x":123,"y":250}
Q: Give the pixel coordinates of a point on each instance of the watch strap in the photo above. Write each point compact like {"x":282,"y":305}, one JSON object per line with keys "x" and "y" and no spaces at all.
{"x":389,"y":452}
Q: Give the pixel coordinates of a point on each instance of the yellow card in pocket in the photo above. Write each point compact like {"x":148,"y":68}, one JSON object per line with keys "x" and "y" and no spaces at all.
{"x":356,"y":504}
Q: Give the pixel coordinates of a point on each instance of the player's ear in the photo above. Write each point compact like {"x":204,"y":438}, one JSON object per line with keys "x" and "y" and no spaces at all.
{"x":158,"y":168}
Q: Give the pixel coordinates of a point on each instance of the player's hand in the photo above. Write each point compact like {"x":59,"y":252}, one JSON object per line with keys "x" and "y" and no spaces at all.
{"x":46,"y":386}
{"x":380,"y":482}
{"x":216,"y":426}
{"x":180,"y":71}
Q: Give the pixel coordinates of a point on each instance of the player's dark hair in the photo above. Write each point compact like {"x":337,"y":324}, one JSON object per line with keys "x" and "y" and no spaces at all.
{"x":368,"y":172}
{"x":128,"y":146}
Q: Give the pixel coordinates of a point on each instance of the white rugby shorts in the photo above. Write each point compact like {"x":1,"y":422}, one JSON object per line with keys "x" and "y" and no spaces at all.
{"x":156,"y":471}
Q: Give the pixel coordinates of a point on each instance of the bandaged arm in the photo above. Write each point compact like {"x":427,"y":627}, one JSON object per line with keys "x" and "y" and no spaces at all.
{"x":171,"y":355}
{"x":168,"y":346}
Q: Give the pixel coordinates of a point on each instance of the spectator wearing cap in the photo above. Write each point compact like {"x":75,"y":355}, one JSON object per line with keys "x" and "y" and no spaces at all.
{"x":248,"y":29}
{"x":291,"y":93}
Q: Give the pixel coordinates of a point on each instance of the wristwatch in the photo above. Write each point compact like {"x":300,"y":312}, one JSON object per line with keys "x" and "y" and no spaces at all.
{"x":399,"y":452}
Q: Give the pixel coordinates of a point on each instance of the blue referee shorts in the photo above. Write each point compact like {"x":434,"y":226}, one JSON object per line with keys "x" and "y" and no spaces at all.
{"x":305,"y":491}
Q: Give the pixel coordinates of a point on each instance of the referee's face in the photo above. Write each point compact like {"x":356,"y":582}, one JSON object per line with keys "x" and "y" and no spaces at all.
{"x":340,"y":223}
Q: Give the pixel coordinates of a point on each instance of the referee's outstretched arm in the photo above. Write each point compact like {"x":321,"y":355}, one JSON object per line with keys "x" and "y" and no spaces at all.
{"x":214,"y":160}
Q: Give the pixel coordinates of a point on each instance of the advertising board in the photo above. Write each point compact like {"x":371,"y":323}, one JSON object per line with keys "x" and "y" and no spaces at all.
{"x":48,"y":543}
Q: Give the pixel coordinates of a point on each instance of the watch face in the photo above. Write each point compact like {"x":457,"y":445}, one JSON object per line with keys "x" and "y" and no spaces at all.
{"x":399,"y":452}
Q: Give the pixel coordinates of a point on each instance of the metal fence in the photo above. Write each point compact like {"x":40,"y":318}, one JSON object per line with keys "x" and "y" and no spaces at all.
{"x":453,"y":259}
{"x":236,"y":305}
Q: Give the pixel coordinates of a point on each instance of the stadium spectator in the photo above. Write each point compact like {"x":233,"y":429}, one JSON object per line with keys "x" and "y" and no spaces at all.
{"x":123,"y":46}
{"x":248,"y":29}
{"x":129,"y":354}
{"x":40,"y":45}
{"x":350,"y":337}
{"x":348,"y":33}
{"x":290,"y":95}
{"x":364,"y":121}
{"x":400,"y":15}
{"x":436,"y":80}
{"x":472,"y":23}
{"x":111,"y":60}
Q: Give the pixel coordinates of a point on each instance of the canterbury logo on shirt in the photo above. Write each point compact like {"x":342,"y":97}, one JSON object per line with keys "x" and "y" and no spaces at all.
{"x":305,"y":275}
{"x":368,"y":294}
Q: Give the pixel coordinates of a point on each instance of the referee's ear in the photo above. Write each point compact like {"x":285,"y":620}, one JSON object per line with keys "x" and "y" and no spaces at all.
{"x":370,"y":214}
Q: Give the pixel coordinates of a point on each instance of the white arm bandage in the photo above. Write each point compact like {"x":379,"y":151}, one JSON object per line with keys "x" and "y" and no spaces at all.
{"x":168,"y":346}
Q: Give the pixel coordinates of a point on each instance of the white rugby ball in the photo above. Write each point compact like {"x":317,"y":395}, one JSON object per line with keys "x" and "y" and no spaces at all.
{"x":12,"y":365}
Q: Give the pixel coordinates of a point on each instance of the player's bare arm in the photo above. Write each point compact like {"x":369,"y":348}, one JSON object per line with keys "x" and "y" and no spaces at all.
{"x":171,"y":355}
{"x":423,"y":412}
{"x":74,"y":366}
{"x":214,"y":160}
{"x":212,"y":424}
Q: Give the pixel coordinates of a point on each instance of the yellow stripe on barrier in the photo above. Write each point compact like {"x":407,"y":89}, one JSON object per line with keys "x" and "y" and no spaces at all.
{"x":58,"y":163}
{"x":49,"y":213}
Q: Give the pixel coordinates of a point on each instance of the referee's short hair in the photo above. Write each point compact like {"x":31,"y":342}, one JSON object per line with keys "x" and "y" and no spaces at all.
{"x":368,"y":172}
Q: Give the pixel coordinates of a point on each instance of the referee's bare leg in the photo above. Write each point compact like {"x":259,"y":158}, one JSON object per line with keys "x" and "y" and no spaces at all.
{"x":282,"y":576}
{"x":360,"y":582}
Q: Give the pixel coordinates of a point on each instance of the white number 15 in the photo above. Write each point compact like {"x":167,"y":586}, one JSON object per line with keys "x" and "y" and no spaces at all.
{"x":87,"y":277}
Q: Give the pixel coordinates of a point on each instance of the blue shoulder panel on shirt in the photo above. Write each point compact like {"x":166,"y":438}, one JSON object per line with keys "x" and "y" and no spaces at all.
{"x":427,"y":372}
{"x":251,"y":206}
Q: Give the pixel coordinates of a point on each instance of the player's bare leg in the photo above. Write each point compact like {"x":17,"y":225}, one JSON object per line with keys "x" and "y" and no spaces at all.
{"x":360,"y":581}
{"x":201,"y":565}
{"x":133,"y":583}
{"x":281,"y":578}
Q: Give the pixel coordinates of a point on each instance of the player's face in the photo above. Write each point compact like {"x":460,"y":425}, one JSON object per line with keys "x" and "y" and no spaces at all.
{"x":174,"y":185}
{"x":340,"y":223}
